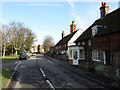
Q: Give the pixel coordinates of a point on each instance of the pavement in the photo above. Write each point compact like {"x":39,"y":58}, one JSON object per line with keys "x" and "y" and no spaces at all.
{"x":47,"y":73}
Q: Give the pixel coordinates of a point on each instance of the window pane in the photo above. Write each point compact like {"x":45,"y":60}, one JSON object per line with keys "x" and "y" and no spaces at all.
{"x":70,"y":53}
{"x":75,"y":55}
{"x":82,"y":53}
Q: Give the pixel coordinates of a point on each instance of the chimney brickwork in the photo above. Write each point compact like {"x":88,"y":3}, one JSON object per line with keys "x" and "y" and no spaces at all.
{"x":104,"y":9}
{"x":72,"y":27}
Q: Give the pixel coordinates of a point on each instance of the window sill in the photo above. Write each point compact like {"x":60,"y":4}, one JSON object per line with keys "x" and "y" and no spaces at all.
{"x":96,"y":60}
{"x":82,"y":59}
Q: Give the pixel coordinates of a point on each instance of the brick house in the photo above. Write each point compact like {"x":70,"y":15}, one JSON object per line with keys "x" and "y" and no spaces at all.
{"x":66,"y":41}
{"x":100,"y":44}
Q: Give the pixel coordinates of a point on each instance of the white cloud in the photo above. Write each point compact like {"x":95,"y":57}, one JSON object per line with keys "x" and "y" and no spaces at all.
{"x":59,"y":0}
{"x":74,"y":13}
{"x":38,"y":4}
{"x":70,"y":3}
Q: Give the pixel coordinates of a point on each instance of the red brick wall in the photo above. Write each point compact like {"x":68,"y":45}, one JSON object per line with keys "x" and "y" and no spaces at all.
{"x":71,"y":62}
{"x":102,"y":42}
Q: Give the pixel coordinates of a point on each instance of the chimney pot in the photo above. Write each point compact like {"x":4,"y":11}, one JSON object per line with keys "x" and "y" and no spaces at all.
{"x":104,"y":9}
{"x":102,"y":3}
{"x":63,"y":34}
{"x":72,"y":22}
{"x":105,"y":3}
{"x":72,"y":27}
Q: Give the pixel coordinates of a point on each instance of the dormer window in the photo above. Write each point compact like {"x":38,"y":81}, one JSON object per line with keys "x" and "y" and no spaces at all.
{"x":95,"y":29}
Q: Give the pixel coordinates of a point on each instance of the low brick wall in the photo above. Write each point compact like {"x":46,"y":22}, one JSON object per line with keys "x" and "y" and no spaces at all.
{"x":112,"y":72}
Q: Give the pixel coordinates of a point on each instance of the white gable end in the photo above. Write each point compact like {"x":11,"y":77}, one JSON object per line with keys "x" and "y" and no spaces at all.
{"x":75,"y":36}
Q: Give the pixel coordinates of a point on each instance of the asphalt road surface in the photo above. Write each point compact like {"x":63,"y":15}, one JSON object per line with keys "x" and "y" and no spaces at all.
{"x":41,"y":72}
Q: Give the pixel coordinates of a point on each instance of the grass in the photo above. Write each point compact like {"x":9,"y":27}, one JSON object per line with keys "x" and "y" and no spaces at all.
{"x":8,"y":58}
{"x":5,"y":76}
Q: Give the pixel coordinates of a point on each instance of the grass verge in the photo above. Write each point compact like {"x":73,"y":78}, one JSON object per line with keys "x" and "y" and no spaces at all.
{"x":9,"y":58}
{"x":6,"y":74}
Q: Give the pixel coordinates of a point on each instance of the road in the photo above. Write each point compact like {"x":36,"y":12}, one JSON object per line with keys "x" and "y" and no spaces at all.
{"x":41,"y":72}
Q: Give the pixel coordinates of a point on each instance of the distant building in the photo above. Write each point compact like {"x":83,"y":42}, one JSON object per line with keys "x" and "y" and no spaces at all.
{"x":37,"y":49}
{"x":34,"y":49}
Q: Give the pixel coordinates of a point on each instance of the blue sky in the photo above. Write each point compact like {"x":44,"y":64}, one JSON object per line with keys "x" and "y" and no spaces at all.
{"x":50,"y":18}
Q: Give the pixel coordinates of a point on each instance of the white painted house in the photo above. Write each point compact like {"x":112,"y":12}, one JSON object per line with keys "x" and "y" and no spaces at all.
{"x":62,"y":47}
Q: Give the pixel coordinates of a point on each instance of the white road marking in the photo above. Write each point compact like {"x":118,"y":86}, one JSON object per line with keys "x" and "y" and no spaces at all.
{"x":16,"y":62}
{"x":50,"y":61}
{"x":50,"y":84}
{"x":17,"y":65}
{"x":47,"y":80}
{"x":42,"y":72}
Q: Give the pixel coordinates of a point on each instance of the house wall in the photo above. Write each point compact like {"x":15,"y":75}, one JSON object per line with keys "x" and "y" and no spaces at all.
{"x":108,"y":43}
{"x":103,"y":43}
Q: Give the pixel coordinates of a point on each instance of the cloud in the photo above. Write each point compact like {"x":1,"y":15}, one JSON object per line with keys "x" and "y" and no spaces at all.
{"x":59,"y":0}
{"x":70,"y":3}
{"x":38,"y":4}
{"x":74,"y":13}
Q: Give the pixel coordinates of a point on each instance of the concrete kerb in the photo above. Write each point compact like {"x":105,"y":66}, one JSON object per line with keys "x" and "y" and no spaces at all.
{"x":9,"y":80}
{"x":11,"y":77}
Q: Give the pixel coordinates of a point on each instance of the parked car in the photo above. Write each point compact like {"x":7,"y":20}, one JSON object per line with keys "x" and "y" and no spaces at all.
{"x":34,"y":54}
{"x":23,"y":56}
{"x":28,"y":53}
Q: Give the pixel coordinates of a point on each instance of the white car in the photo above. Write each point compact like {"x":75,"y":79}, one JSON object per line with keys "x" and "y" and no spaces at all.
{"x":28,"y":53}
{"x":33,"y":54}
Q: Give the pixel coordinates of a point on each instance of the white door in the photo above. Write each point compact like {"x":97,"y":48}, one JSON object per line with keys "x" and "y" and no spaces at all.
{"x":75,"y":57}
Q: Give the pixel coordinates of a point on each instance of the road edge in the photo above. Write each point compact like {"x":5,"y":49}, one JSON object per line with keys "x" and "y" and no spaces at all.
{"x":11,"y":77}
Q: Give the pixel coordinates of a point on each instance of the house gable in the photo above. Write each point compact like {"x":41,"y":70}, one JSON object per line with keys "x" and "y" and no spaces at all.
{"x":74,"y":37}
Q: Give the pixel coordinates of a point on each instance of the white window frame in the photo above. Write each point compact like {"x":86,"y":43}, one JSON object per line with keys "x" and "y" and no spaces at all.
{"x":89,"y":42}
{"x":65,"y":45}
{"x":78,"y":43}
{"x":59,"y":46}
{"x":97,"y":57}
{"x":104,"y":55}
{"x":83,"y":42}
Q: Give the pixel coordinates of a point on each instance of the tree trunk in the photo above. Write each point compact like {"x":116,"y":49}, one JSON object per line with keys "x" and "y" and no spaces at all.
{"x":16,"y":52}
{"x":4,"y":51}
{"x":12,"y":50}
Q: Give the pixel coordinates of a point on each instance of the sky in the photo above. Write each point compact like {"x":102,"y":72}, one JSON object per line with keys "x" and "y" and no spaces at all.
{"x":51,"y":18}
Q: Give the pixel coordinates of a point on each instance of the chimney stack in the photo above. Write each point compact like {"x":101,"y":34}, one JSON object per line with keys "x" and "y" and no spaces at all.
{"x":72,"y":27}
{"x":104,"y":9}
{"x":63,"y":34}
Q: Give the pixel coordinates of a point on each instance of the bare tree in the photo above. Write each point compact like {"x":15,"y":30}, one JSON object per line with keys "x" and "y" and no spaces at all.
{"x":21,"y":36}
{"x":16,"y":36}
{"x":5,"y":38}
{"x":47,"y":43}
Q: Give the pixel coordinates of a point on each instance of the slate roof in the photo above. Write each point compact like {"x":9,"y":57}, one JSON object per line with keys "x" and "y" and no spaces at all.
{"x":66,"y":39}
{"x":110,"y":23}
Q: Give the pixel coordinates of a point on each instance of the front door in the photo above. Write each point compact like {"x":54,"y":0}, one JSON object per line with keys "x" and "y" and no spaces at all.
{"x":75,"y":57}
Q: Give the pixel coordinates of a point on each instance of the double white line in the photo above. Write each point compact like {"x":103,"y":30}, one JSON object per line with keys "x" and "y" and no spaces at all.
{"x":47,"y":80}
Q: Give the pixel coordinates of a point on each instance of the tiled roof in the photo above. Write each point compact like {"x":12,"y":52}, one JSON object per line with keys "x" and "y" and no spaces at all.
{"x":110,"y":23}
{"x":66,"y":39}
